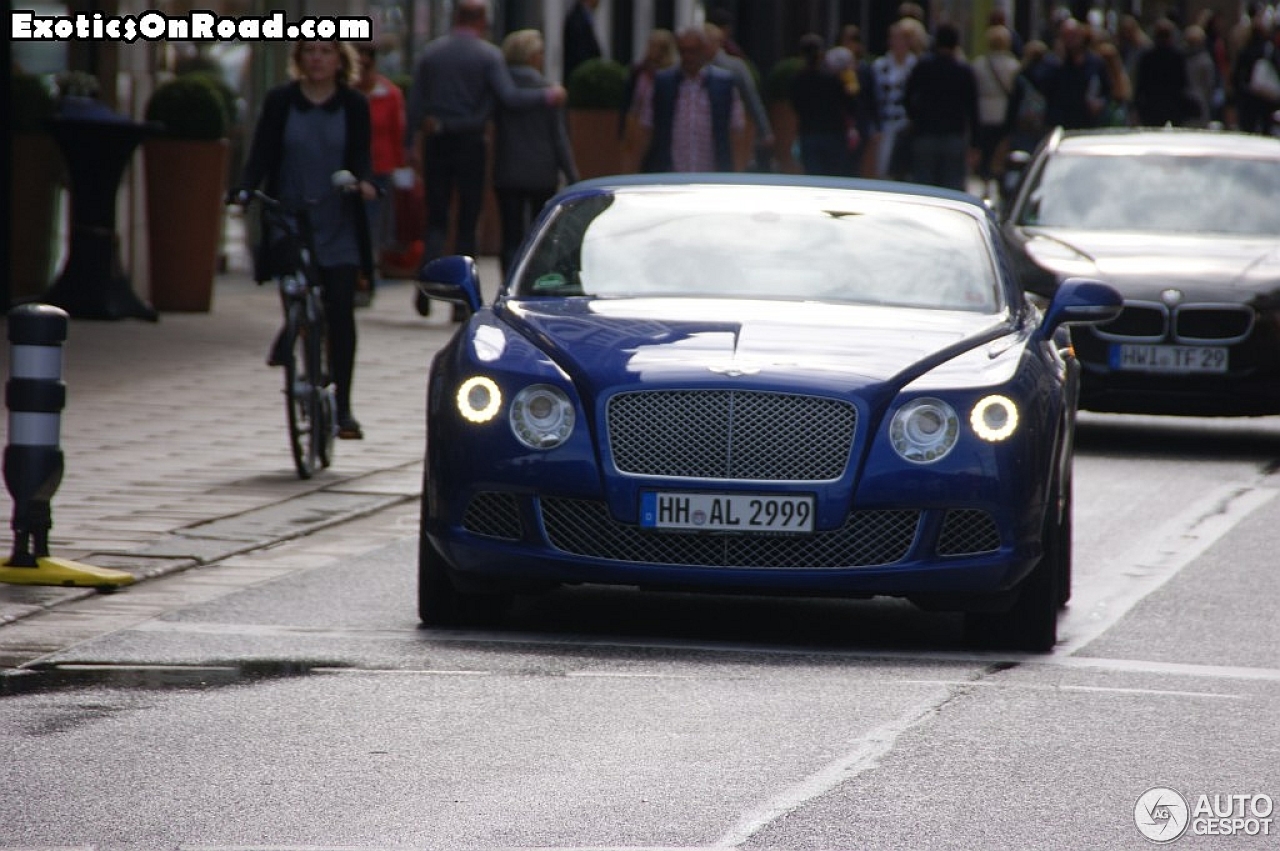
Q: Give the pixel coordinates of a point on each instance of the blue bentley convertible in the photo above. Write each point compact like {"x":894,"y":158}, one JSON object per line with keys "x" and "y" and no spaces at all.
{"x":762,"y":385}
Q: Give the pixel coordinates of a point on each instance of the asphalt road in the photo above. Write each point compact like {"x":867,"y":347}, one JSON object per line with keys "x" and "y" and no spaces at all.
{"x":287,"y":699}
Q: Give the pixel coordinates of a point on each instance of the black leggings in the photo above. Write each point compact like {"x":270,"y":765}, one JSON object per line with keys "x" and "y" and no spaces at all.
{"x":339,"y":287}
{"x":517,"y":208}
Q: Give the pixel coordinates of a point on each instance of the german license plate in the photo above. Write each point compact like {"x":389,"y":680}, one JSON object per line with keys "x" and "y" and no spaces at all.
{"x":1169,"y":359}
{"x":727,"y":512}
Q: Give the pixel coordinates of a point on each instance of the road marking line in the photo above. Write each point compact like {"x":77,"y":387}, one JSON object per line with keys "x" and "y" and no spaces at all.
{"x":1154,"y":559}
{"x":984,"y":660}
{"x":1001,"y":684}
{"x":1177,"y":669}
{"x":403,"y":672}
{"x":864,"y":756}
{"x":1154,"y":692}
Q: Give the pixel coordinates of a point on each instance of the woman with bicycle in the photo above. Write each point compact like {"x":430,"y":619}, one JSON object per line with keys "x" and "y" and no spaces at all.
{"x":310,"y":129}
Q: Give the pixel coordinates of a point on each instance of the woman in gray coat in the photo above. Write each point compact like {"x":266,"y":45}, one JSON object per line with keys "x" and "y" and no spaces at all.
{"x":532,"y":148}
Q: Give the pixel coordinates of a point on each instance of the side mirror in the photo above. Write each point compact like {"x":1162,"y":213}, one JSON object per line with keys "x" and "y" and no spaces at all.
{"x":453,"y":279}
{"x":1081,"y":301}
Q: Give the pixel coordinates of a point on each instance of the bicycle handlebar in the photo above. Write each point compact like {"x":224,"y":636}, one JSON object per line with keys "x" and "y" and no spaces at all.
{"x":343,"y":182}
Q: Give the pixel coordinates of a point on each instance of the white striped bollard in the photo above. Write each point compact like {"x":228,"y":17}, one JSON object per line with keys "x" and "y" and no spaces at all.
{"x":33,"y":463}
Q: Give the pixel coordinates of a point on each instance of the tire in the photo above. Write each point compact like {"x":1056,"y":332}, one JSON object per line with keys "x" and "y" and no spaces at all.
{"x":1065,"y":534}
{"x":1031,"y":624}
{"x":328,"y":419}
{"x":440,"y":603}
{"x":325,"y":415}
{"x":300,"y":401}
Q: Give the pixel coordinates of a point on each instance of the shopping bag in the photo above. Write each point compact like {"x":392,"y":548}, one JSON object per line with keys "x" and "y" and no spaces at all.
{"x":1264,"y":81}
{"x":410,"y":204}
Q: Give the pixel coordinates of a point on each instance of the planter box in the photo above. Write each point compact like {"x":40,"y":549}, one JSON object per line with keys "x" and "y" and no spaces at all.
{"x":597,"y":147}
{"x":186,"y":181}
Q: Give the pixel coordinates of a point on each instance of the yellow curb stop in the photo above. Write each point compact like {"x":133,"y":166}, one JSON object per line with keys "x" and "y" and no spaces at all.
{"x":61,"y":571}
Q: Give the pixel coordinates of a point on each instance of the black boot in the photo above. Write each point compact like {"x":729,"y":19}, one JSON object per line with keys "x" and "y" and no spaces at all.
{"x":348,"y":428}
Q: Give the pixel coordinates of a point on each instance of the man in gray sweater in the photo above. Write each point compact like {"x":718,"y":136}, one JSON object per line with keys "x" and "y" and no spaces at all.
{"x":457,"y":83}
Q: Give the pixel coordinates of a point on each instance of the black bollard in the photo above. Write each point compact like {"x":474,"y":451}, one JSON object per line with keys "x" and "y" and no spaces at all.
{"x":35,"y":396}
{"x":33,"y":462}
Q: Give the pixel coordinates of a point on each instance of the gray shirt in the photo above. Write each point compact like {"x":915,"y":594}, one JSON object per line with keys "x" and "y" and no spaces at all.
{"x":745,"y":82}
{"x":532,"y":145}
{"x":459,"y":80}
{"x":314,"y":141}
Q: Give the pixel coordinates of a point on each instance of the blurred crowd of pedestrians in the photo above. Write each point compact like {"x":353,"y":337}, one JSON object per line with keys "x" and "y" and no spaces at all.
{"x":922,"y":111}
{"x":925,"y":112}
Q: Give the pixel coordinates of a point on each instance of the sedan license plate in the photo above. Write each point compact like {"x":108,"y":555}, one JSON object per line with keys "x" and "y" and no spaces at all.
{"x":727,"y":512}
{"x":1169,"y":359}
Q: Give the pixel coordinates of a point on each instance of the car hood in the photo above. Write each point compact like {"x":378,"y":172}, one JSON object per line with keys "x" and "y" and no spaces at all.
{"x":1188,"y":260}
{"x":700,"y":341}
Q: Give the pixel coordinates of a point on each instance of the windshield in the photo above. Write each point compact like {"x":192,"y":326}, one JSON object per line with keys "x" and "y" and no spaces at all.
{"x":1157,"y":193}
{"x":763,"y":243}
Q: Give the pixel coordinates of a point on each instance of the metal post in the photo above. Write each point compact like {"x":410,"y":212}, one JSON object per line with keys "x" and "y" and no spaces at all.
{"x":33,"y":462}
{"x":35,"y":396}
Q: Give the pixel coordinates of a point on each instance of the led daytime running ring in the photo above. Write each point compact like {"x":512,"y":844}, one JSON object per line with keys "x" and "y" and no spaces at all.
{"x":994,"y":418}
{"x":479,"y":399}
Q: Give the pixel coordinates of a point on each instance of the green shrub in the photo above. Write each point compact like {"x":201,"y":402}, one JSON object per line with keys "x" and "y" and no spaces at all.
{"x":597,"y":84}
{"x":226,"y":94}
{"x":31,"y":103}
{"x":404,"y":82}
{"x":189,"y":107}
{"x":777,"y":86}
{"x":76,"y":84}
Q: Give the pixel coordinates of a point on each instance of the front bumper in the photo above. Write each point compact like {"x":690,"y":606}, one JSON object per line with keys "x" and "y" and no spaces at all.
{"x":507,"y":538}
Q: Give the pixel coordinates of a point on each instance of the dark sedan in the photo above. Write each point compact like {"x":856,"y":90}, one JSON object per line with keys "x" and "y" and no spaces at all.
{"x":1185,"y":224}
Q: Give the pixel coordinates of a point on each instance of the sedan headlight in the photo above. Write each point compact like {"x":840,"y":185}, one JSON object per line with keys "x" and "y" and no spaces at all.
{"x":924,"y":430}
{"x":542,"y":416}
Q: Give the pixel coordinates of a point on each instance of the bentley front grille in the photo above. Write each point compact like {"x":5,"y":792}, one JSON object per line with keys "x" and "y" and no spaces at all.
{"x":731,"y":434}
{"x":494,"y":515}
{"x":867,"y":538}
{"x":968,"y":531}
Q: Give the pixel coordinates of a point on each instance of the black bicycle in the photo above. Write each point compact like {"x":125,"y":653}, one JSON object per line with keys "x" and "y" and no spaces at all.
{"x":302,"y":346}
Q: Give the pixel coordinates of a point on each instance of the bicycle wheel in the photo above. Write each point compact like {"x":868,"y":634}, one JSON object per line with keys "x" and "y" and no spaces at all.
{"x":325,"y":418}
{"x":300,"y":397}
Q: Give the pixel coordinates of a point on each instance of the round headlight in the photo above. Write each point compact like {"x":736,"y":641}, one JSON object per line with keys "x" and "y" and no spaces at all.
{"x":479,"y":399}
{"x":542,"y":416}
{"x":924,"y":430}
{"x":994,"y":418}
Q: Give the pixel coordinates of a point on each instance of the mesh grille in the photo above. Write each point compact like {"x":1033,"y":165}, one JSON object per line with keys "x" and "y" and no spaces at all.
{"x":494,"y":515}
{"x":730,"y":434}
{"x":584,"y":527}
{"x":967,"y":531}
